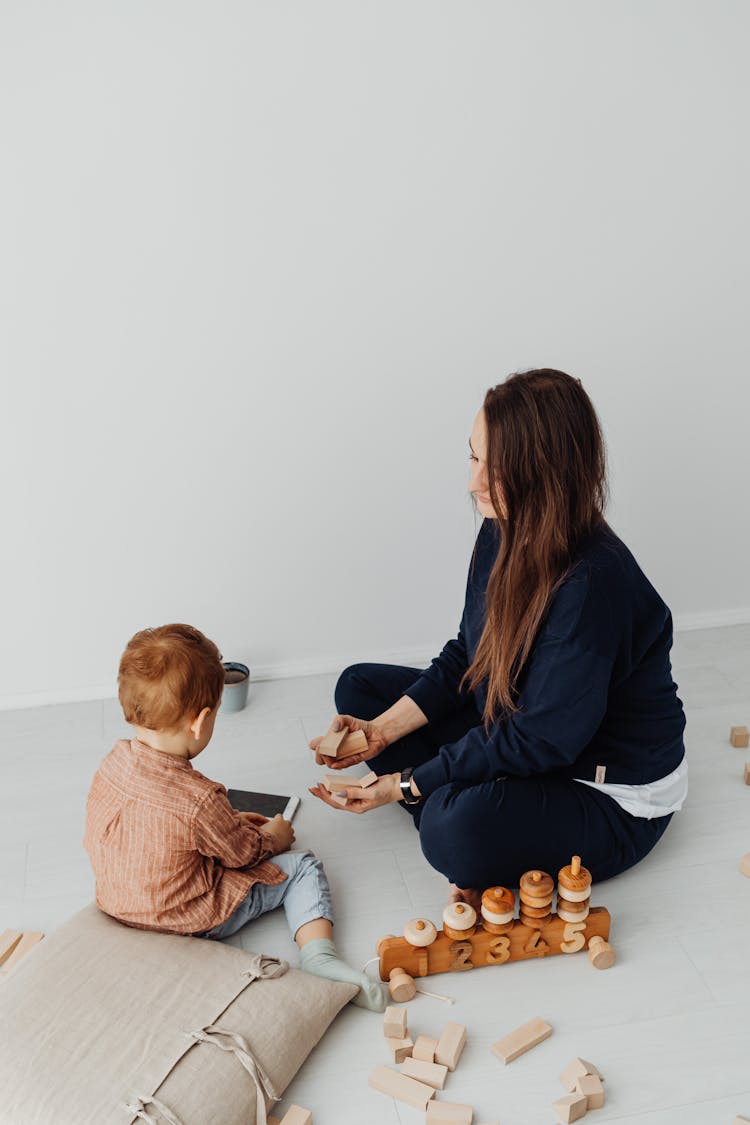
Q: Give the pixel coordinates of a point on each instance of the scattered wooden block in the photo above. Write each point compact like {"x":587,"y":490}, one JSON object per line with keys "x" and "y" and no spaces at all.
{"x":19,"y":950}
{"x":745,"y":865}
{"x":296,"y":1115}
{"x":401,"y":986}
{"x":601,"y":953}
{"x":739,"y":737}
{"x":424,"y":1049}
{"x":570,"y":1108}
{"x":450,"y":1045}
{"x":590,"y":1085}
{"x":431,"y":1073}
{"x":577,"y":1069}
{"x":739,"y":1119}
{"x":394,"y":1023}
{"x":747,"y":773}
{"x":521,"y":1040}
{"x":449,"y":1113}
{"x":400,"y":1049}
{"x":400,"y":1087}
{"x":9,"y":939}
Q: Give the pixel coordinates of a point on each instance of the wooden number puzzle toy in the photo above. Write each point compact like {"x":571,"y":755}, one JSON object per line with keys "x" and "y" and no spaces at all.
{"x":497,"y":936}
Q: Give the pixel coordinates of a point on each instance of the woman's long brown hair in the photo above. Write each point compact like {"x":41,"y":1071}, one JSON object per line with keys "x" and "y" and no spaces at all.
{"x":547,"y":481}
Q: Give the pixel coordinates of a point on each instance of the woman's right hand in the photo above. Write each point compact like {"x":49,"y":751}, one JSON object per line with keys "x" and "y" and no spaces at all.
{"x":376,"y":743}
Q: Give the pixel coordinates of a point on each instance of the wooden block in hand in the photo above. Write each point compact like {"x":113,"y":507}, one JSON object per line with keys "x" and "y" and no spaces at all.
{"x":449,"y":1113}
{"x":570,"y":1108}
{"x":450,"y":1045}
{"x":335,"y":782}
{"x":577,"y":1069}
{"x":354,"y":743}
{"x":739,"y":737}
{"x":400,"y":1049}
{"x":9,"y":939}
{"x":424,"y":1049}
{"x":400,"y":1087}
{"x":432,"y":1074}
{"x":521,"y":1040}
{"x":592,"y":1089}
{"x":296,"y":1115}
{"x":331,"y":744}
{"x":19,"y":950}
{"x":394,"y":1023}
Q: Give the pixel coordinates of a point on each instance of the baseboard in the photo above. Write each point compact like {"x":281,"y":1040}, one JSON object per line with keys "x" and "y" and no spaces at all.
{"x":718,"y":619}
{"x":331,"y":664}
{"x":284,"y":670}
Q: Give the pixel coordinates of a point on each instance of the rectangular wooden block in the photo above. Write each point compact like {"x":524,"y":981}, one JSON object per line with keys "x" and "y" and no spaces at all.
{"x":354,"y":743}
{"x":21,"y":948}
{"x":400,"y":1087}
{"x":394,"y":1023}
{"x":331,"y":743}
{"x":570,"y":1108}
{"x":424,"y":1049}
{"x":739,"y":1119}
{"x":739,"y":737}
{"x":400,"y":1049}
{"x":577,"y":1069}
{"x":450,"y":1045}
{"x":521,"y":1040}
{"x":592,"y":1089}
{"x":335,"y":782}
{"x":369,"y":779}
{"x":9,"y":939}
{"x":747,"y":773}
{"x":449,"y":1113}
{"x":271,"y":1120}
{"x":432,"y":1074}
{"x":296,"y":1115}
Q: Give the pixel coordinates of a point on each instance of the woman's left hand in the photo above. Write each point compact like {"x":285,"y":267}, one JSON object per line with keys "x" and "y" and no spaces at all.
{"x":384,"y":791}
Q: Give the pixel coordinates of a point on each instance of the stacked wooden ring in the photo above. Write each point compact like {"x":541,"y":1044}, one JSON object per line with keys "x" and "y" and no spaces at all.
{"x":459,"y":920}
{"x":498,"y":910}
{"x":573,"y":891}
{"x":536,"y":889}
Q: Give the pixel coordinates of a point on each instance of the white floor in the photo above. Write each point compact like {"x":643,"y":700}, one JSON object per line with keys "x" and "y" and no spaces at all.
{"x":669,"y":1025}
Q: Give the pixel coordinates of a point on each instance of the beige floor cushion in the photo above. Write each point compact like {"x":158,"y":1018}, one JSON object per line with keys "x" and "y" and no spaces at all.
{"x":104,"y":1024}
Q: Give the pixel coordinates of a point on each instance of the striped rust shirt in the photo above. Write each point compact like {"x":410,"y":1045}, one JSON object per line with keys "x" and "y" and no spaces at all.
{"x":168,"y":850}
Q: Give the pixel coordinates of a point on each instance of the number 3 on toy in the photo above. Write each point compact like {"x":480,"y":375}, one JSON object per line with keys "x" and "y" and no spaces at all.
{"x":499,"y":950}
{"x":573,"y":938}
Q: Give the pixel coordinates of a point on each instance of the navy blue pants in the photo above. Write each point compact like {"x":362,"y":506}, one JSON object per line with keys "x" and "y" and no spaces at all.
{"x":484,"y":835}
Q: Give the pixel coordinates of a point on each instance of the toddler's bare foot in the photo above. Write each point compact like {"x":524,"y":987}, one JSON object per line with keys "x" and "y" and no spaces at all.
{"x":466,"y":894}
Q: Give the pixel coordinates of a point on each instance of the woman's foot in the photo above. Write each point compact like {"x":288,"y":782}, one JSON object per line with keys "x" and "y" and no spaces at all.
{"x":319,"y":957}
{"x":466,"y":894}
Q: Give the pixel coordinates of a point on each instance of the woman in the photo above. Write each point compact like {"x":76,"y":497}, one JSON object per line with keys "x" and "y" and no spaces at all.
{"x":551,"y":724}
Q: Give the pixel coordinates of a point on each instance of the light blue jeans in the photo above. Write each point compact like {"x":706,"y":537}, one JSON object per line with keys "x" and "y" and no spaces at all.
{"x":304,"y":894}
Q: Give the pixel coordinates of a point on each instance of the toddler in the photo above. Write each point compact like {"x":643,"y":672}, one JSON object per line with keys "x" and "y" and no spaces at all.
{"x":168,"y":850}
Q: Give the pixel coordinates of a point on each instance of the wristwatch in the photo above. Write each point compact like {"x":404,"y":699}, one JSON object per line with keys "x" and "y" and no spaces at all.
{"x":407,"y":796}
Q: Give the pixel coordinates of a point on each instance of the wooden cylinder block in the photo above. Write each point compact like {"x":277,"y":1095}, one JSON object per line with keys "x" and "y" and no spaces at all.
{"x":420,"y":932}
{"x":601,"y":953}
{"x":401,"y":986}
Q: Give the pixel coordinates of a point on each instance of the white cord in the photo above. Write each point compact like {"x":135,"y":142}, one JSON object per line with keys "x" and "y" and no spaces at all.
{"x":437,"y":996}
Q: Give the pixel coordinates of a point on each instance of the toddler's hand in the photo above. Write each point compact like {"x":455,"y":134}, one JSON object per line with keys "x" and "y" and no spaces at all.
{"x":282,"y":833}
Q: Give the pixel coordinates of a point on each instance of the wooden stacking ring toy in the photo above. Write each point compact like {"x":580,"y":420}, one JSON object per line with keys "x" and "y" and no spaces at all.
{"x":498,"y":909}
{"x":573,"y":877}
{"x":571,"y":905}
{"x":536,"y":884}
{"x":420,"y":931}
{"x":459,"y":920}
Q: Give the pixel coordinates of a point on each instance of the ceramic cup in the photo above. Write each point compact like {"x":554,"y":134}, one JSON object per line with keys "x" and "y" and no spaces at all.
{"x":236,"y":683}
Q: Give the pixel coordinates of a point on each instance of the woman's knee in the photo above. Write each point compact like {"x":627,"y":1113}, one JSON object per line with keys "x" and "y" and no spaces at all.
{"x":446,"y":834}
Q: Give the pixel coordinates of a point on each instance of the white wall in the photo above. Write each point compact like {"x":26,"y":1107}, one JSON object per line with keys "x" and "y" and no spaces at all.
{"x":259,"y":262}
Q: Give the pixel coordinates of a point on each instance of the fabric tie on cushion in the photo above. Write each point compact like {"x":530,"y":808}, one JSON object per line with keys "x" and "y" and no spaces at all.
{"x":264,"y":968}
{"x":238,"y":1046}
{"x":138,"y":1109}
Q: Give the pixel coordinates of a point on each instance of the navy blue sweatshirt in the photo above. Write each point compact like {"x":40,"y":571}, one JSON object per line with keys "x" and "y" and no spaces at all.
{"x":597,"y":689}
